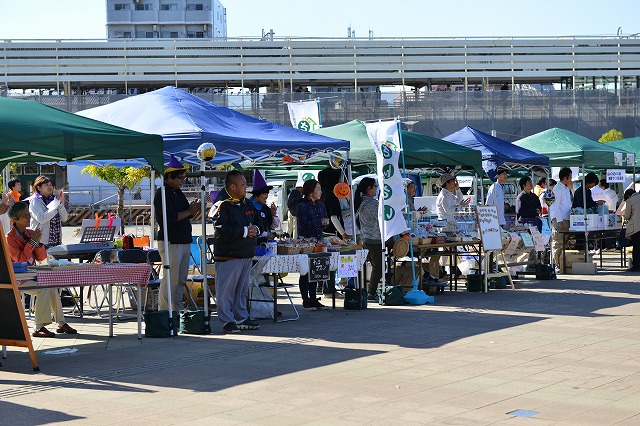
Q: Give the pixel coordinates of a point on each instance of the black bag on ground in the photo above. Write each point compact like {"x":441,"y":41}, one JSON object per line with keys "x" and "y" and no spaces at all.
{"x":545,"y":272}
{"x":156,"y":324}
{"x":66,"y":298}
{"x":192,"y":321}
{"x":355,"y":299}
{"x":393,"y":296}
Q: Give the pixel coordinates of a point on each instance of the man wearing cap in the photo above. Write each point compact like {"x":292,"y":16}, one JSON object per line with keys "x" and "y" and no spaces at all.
{"x":266,"y":217}
{"x":234,"y":245}
{"x":449,"y":198}
{"x":495,"y":195}
{"x":292,"y":205}
{"x":179,"y":212}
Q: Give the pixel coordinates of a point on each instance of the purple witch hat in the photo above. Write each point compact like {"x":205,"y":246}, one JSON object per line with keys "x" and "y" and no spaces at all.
{"x":259,"y":184}
{"x":174,"y":165}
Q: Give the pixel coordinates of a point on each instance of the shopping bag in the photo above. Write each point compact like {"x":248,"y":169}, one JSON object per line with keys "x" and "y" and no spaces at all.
{"x":355,"y":299}
{"x":393,"y":296}
{"x":192,"y":321}
{"x":157,"y":324}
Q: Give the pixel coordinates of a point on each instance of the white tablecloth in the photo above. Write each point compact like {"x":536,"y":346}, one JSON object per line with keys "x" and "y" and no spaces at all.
{"x":300,"y":262}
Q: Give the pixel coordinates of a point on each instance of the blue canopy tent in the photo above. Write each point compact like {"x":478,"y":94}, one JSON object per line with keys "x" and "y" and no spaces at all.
{"x":497,"y":152}
{"x":185,"y":122}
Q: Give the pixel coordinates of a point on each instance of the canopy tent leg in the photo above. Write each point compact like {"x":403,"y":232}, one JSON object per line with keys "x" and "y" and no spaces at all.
{"x":166,"y":267}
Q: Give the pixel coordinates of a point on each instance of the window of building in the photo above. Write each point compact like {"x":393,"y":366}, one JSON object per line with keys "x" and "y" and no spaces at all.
{"x":121,"y":6}
{"x":172,"y":6}
{"x":195,"y":6}
{"x":145,"y":34}
{"x":195,"y":34}
{"x":169,"y":34}
{"x":144,"y":6}
{"x":126,"y":34}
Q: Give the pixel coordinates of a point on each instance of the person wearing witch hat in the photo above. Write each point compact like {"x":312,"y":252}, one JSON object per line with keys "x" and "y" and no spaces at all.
{"x":179,"y":213}
{"x":266,"y":217}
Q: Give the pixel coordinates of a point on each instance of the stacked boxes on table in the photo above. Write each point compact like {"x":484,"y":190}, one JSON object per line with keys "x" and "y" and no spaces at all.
{"x":595,"y":222}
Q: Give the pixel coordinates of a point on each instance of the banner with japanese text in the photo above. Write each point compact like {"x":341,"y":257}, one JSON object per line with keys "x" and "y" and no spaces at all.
{"x":304,"y":115}
{"x":385,"y":141}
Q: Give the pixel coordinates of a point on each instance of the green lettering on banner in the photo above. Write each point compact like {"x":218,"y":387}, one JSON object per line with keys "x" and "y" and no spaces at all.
{"x":389,"y":213}
{"x":388,"y":192}
{"x":386,"y":151}
{"x":388,"y":171}
{"x":304,"y":126}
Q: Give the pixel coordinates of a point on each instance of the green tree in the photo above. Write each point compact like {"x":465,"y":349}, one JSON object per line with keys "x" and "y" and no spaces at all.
{"x":610,"y":136}
{"x":123,"y":177}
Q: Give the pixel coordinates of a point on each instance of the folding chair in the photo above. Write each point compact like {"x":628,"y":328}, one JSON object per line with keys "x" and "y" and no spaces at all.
{"x":268,"y":292}
{"x":196,"y":255}
{"x":138,"y":256}
{"x":103,"y":256}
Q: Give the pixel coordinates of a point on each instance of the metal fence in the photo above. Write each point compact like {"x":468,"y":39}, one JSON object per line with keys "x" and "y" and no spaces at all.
{"x":103,"y":197}
{"x":513,"y":114}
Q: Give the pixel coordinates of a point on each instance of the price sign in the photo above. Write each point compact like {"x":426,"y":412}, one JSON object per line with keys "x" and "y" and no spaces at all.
{"x":319,"y":267}
{"x":615,"y":175}
{"x":348,"y":266}
{"x":526,"y":239}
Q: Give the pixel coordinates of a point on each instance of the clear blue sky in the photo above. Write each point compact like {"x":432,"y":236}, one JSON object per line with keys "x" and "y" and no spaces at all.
{"x":52,"y":19}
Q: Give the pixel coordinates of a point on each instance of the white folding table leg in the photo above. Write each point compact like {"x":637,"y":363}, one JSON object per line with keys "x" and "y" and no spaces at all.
{"x":110,"y":299}
{"x":139,"y":312}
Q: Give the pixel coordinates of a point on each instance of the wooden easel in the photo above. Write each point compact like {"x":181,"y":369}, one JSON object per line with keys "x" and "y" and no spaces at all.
{"x":13,"y":324}
{"x":489,"y":229}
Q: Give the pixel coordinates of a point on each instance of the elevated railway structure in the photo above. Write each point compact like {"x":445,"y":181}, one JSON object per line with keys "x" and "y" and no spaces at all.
{"x":599,"y":77}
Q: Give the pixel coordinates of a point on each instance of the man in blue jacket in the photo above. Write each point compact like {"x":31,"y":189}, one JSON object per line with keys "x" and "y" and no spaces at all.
{"x":234,"y":239}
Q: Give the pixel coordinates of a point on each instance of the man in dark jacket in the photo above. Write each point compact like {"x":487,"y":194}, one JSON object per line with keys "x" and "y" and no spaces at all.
{"x":234,"y":239}
{"x":292,"y":206}
{"x":579,"y":199}
{"x":179,"y":212}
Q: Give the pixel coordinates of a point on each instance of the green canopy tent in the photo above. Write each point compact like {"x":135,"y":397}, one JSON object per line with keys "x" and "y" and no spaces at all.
{"x":567,"y":149}
{"x":420,"y":151}
{"x":31,"y":131}
{"x":630,"y":145}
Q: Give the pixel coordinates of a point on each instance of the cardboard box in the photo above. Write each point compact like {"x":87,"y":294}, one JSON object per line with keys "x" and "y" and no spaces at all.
{"x":574,"y":256}
{"x":576,"y":222}
{"x":583,"y":268}
{"x":595,"y":222}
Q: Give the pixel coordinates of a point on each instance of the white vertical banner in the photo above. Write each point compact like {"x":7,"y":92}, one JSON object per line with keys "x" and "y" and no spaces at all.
{"x":304,"y":115}
{"x":385,"y":141}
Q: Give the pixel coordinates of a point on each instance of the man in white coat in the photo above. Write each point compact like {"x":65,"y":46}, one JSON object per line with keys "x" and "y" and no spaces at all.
{"x":495,"y":195}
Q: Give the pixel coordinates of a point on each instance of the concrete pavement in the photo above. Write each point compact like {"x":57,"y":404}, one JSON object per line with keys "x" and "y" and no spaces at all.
{"x":551,"y":352}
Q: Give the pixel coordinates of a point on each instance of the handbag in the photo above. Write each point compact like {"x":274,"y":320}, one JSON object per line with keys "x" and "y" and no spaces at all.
{"x":192,"y":321}
{"x":157,"y":324}
{"x":393,"y":296}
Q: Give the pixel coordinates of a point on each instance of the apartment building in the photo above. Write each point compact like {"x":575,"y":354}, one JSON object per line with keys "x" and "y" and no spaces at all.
{"x":172,"y":19}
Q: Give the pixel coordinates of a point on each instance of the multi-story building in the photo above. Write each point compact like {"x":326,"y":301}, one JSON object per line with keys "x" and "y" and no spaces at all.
{"x":137,"y":19}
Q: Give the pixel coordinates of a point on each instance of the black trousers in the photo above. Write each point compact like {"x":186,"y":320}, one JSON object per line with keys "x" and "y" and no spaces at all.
{"x":635,"y":256}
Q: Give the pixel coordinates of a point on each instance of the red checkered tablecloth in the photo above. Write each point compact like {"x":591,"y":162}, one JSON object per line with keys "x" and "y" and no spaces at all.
{"x":109,"y":273}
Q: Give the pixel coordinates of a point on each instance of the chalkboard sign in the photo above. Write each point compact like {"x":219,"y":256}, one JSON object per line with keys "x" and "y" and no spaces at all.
{"x":13,"y":324}
{"x":319,"y":266}
{"x":489,"y":227}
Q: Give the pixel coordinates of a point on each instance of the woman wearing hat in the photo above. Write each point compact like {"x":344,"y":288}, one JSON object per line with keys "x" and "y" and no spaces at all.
{"x":266,"y":217}
{"x":179,"y":213}
{"x":449,"y":198}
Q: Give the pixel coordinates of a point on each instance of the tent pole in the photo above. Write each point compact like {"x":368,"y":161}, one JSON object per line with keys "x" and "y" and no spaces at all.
{"x":584,"y":208}
{"x":353,"y":213}
{"x":152,"y":212}
{"x":413,"y":296}
{"x":166,"y":266}
{"x":203,"y":245}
